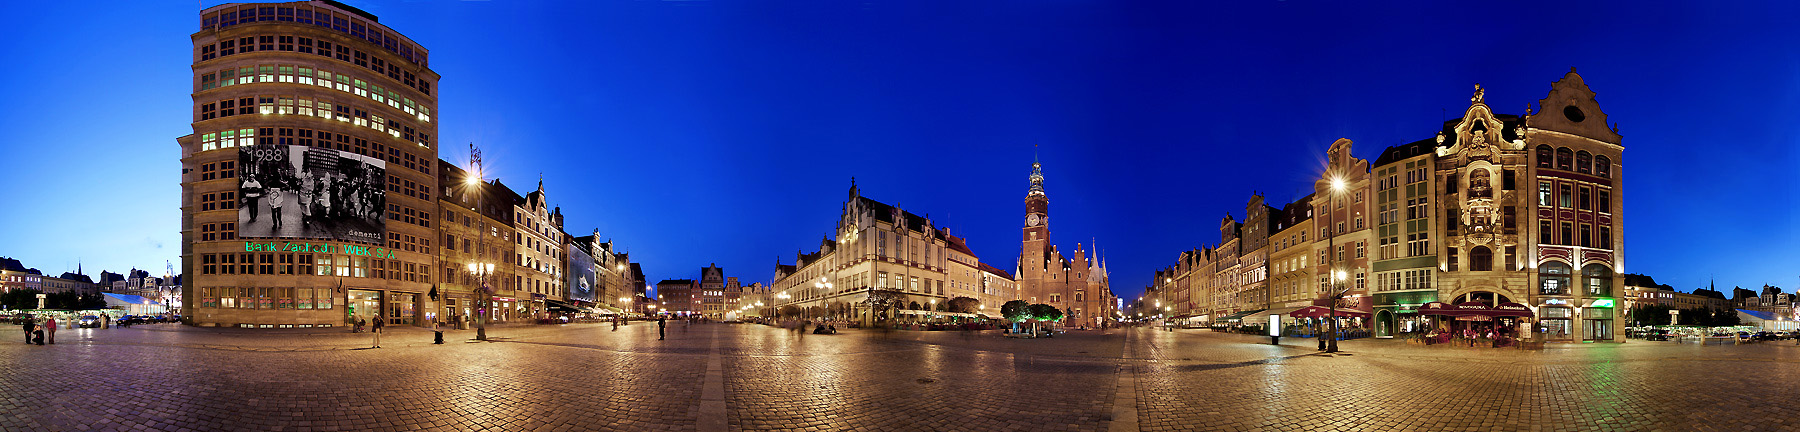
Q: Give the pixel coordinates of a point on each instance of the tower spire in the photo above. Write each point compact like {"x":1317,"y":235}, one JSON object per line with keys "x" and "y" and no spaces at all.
{"x":1037,"y":178}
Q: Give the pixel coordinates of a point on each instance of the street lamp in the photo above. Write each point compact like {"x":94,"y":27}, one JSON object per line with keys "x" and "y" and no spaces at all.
{"x":484,"y":296}
{"x":1337,"y":275}
{"x":822,"y":286}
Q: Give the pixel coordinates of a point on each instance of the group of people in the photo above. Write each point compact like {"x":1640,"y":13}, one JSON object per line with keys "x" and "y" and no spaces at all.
{"x":35,"y":333}
{"x":378,"y":324}
{"x":1501,"y":336}
{"x":353,"y":192}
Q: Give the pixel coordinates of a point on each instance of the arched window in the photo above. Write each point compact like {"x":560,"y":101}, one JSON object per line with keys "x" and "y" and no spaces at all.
{"x":1481,"y":259}
{"x":1584,"y":162}
{"x":1598,"y":280}
{"x":1543,"y":156}
{"x":1602,"y":166}
{"x":1565,"y":159}
{"x":1553,"y":278}
{"x":1479,"y":186}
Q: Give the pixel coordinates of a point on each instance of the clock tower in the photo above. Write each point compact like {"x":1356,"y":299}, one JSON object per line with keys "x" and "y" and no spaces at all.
{"x":1037,"y":208}
{"x":1035,"y":254}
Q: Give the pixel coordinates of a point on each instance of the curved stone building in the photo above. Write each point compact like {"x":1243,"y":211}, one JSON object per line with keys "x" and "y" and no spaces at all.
{"x":307,"y":183}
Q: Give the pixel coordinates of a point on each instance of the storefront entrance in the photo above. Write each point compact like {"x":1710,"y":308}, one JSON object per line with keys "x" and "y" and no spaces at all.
{"x":1598,"y":324}
{"x":1558,"y":325}
{"x":400,"y":308}
{"x":363,"y":305}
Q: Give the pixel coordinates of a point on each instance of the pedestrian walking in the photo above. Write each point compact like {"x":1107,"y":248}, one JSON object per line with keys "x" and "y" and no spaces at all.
{"x":661,"y":325}
{"x":252,"y":190}
{"x":276,"y":199}
{"x":615,"y":321}
{"x":50,"y":329}
{"x":29,"y":326}
{"x":105,"y":321}
{"x":438,"y":327}
{"x":377,"y":330}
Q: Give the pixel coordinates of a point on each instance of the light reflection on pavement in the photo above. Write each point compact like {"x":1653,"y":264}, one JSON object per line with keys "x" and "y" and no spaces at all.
{"x":587,"y":377}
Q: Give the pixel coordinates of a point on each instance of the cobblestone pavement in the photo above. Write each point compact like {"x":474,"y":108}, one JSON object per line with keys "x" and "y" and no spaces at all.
{"x":588,"y":377}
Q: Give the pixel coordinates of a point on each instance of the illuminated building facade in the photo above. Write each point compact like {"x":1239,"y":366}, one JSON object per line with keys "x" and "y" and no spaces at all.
{"x":307,"y":181}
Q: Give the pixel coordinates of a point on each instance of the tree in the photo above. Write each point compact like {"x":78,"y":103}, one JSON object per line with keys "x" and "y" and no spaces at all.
{"x":1650,"y":315}
{"x":1726,"y":317}
{"x":95,"y":301}
{"x":880,"y":301}
{"x":1044,"y":312}
{"x":20,"y":299}
{"x":790,"y":311}
{"x":963,"y":305}
{"x":1016,"y":311}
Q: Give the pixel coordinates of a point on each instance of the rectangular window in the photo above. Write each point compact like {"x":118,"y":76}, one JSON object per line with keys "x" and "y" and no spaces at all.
{"x":1566,"y":196}
{"x":1605,"y":201}
{"x":1583,"y":201}
{"x":1605,"y":237}
{"x":1568,"y":233}
{"x":1450,"y":258}
{"x":1545,"y":232}
{"x":1512,"y":258}
{"x":1544,"y":194}
{"x":1587,"y":235}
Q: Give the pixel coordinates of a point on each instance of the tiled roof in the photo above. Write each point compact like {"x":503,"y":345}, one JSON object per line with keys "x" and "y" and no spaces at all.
{"x":1003,"y":273}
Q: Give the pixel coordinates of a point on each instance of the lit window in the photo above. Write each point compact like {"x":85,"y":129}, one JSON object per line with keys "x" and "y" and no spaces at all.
{"x":287,"y":73}
{"x":267,"y":75}
{"x":246,"y":137}
{"x":209,"y":142}
{"x":285,"y":106}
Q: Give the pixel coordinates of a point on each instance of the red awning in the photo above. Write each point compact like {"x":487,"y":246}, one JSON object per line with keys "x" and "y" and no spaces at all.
{"x":1321,"y":312}
{"x":1475,"y":309}
{"x":1512,"y":310}
{"x":1438,"y":308}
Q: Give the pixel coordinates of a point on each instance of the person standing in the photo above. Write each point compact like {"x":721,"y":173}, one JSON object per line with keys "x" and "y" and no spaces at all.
{"x":253,"y":190}
{"x":437,"y":327}
{"x":379,"y":323}
{"x":661,"y":328}
{"x":29,"y":325}
{"x":275,"y":200}
{"x":50,"y":329}
{"x":615,"y":321}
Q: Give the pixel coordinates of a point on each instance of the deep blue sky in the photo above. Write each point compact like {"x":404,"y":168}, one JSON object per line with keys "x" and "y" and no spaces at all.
{"x":698,"y":132}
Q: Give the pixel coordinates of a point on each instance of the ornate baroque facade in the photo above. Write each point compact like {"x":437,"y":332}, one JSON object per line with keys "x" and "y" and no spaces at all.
{"x":1495,"y":208}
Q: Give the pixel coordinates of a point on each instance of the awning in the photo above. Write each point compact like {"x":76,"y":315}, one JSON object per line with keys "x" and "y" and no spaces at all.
{"x":1262,"y":316}
{"x":1475,"y":309}
{"x":1511,"y":310}
{"x":1322,"y":312}
{"x":1239,"y":315}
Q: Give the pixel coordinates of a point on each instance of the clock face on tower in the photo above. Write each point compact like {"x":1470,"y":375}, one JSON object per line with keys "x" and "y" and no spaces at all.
{"x":1032,"y":220}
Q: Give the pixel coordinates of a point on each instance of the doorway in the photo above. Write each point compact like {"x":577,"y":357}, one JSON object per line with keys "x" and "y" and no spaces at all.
{"x":363,"y":305}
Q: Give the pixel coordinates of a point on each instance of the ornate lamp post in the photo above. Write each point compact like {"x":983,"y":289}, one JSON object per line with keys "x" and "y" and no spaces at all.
{"x":1337,"y":275}
{"x":822,"y":286}
{"x":484,"y":296}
